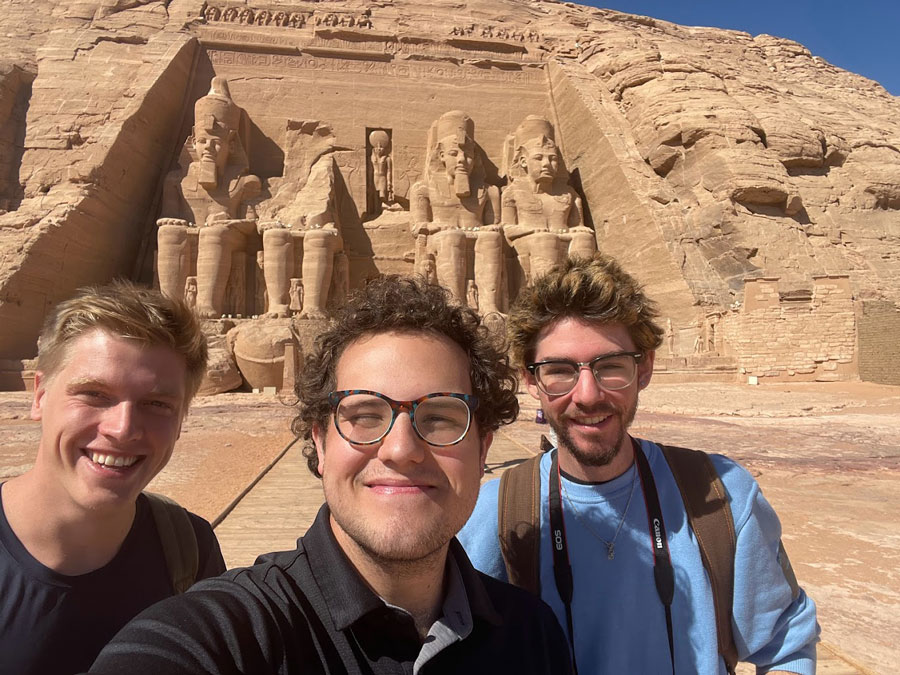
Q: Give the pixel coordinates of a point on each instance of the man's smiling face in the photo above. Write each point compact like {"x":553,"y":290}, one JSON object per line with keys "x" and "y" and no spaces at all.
{"x":590,"y":421}
{"x":110,"y":417}
{"x":400,"y":499}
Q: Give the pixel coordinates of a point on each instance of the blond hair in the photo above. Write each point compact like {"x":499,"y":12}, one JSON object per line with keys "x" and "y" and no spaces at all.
{"x":125,"y":310}
{"x":594,"y":290}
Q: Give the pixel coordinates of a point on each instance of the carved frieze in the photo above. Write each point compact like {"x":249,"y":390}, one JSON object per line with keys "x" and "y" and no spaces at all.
{"x":249,"y":16}
{"x":492,"y":32}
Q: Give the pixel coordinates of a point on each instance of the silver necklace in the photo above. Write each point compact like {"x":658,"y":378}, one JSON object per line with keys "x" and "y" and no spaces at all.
{"x":611,"y":544}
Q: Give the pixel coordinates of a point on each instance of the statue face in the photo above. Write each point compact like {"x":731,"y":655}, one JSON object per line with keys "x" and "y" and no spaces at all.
{"x":457,"y":158}
{"x":540,"y":161}
{"x":212,"y":146}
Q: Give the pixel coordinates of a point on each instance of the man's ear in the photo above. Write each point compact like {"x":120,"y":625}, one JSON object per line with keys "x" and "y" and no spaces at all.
{"x":530,"y":383}
{"x":37,"y":400}
{"x":645,"y":369}
{"x":318,"y":436}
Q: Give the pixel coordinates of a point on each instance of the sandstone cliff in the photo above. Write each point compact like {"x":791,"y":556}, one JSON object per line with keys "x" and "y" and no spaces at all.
{"x":705,"y":157}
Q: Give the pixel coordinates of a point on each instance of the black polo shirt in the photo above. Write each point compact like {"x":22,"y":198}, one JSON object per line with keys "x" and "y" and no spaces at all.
{"x":309,"y":611}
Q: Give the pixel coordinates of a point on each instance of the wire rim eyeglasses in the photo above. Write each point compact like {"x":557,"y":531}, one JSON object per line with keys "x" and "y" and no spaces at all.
{"x":612,"y":372}
{"x":365,"y":417}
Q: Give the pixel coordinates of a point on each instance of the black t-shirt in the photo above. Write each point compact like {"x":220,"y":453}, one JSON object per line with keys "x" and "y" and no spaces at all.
{"x":53,"y":624}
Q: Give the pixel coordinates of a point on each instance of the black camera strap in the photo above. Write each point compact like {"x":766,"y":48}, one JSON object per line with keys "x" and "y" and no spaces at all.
{"x":663,"y":572}
{"x":562,"y":570}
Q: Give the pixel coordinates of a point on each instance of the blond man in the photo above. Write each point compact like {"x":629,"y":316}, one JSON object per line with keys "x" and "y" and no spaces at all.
{"x":82,"y":549}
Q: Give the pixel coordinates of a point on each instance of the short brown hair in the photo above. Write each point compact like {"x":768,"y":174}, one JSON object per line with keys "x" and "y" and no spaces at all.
{"x":595,"y":290}
{"x":406,"y":305}
{"x":125,"y":310}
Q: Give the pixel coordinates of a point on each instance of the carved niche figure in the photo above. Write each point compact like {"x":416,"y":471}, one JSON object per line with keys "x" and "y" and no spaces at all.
{"x":382,"y":168}
{"x":670,"y":337}
{"x":205,"y":202}
{"x":453,"y":198}
{"x":261,"y":295}
{"x":541,"y":215}
{"x":472,"y":295}
{"x":190,"y":291}
{"x":296,"y":295}
{"x":301,"y":221}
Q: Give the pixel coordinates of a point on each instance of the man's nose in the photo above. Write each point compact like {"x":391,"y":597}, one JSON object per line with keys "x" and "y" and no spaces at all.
{"x":587,"y":390}
{"x":120,"y":422}
{"x":402,"y":444}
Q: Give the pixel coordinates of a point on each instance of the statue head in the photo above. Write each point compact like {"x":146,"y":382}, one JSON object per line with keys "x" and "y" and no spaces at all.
{"x":455,"y":149}
{"x":537,"y":156}
{"x":380,"y":142}
{"x":216,"y":122}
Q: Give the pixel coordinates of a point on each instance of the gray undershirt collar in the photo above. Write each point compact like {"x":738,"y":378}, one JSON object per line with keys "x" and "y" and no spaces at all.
{"x":454,"y":625}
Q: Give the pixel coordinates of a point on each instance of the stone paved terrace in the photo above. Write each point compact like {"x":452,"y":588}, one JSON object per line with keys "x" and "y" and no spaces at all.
{"x":827,"y":457}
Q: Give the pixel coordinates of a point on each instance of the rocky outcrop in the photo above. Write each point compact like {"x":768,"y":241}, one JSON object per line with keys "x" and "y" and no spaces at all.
{"x":703,"y":157}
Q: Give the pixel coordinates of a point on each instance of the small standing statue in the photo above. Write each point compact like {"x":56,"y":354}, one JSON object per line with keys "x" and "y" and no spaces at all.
{"x":296,"y":295}
{"x":382,"y":167}
{"x":190,"y":292}
{"x":670,"y":337}
{"x":472,"y":295}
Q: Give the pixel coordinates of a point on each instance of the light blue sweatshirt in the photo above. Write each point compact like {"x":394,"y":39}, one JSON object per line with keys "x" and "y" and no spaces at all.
{"x":619,"y":622}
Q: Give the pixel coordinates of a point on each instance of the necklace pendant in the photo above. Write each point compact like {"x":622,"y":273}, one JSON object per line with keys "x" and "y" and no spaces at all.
{"x":610,"y":550}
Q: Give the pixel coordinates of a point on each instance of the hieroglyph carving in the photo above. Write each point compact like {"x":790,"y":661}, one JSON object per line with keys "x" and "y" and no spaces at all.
{"x":541,"y":215}
{"x":205,"y":202}
{"x":424,"y":71}
{"x":452,"y":203}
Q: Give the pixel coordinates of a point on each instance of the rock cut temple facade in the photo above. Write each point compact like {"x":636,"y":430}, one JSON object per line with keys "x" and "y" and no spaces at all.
{"x":262,"y":159}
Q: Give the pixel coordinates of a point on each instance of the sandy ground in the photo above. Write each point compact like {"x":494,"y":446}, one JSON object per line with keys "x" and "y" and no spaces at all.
{"x":826,"y":455}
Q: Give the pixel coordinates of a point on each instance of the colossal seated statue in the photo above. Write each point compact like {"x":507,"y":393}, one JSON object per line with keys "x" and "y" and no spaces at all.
{"x":300,"y":229}
{"x":205,"y":202}
{"x":453,"y":202}
{"x":541,"y":215}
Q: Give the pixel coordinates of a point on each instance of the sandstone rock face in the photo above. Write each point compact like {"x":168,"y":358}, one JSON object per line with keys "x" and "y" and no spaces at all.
{"x":708,"y":161}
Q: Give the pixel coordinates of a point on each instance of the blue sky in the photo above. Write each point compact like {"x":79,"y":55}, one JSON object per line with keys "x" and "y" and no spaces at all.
{"x":862,"y":36}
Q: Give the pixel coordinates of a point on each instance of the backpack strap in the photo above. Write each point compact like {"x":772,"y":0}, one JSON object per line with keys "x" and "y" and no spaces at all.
{"x":706,"y":504}
{"x":179,"y":541}
{"x":519,"y":523}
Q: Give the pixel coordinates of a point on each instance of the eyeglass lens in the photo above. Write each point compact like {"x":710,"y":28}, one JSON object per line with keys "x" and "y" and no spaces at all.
{"x":612,"y":372}
{"x":441,"y":420}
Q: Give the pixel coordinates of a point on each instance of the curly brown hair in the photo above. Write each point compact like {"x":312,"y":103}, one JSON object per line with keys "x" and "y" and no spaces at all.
{"x":596,"y":290}
{"x":405,"y":305}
